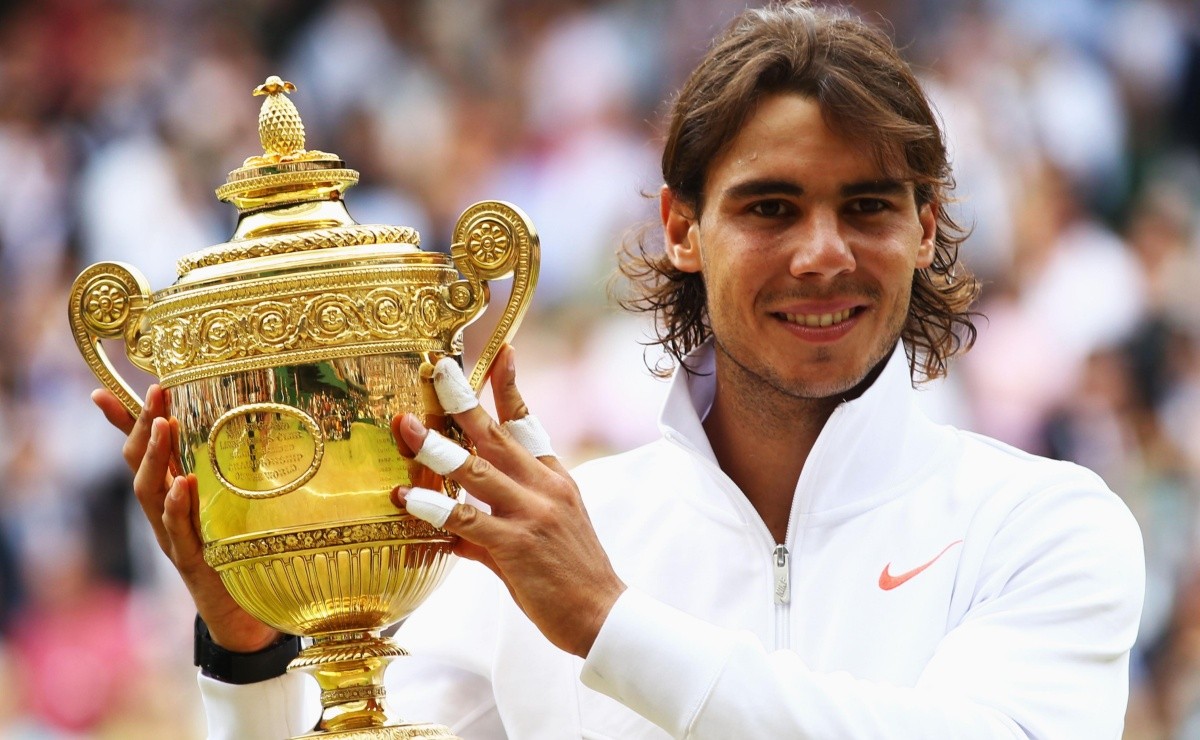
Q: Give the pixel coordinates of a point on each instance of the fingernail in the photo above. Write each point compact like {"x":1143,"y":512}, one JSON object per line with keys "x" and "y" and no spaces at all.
{"x":413,"y":424}
{"x":154,"y":434}
{"x":511,"y":362}
{"x":176,"y":492}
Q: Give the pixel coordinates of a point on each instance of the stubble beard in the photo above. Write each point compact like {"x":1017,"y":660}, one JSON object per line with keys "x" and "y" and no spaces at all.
{"x":759,"y":386}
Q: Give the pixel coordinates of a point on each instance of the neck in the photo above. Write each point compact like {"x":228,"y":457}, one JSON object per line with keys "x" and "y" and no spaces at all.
{"x":761,"y":437}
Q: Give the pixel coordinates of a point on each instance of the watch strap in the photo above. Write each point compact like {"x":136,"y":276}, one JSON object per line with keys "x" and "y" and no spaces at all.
{"x":242,"y":668}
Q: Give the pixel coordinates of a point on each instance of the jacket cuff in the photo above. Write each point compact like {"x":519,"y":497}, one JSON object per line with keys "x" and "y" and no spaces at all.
{"x":268,"y":710}
{"x":657,"y":660}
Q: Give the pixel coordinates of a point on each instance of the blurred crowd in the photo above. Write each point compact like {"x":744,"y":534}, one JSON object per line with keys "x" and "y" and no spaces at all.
{"x":1075,"y":131}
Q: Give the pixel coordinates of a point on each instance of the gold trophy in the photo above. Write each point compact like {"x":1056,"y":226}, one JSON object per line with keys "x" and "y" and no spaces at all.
{"x":285,"y":353}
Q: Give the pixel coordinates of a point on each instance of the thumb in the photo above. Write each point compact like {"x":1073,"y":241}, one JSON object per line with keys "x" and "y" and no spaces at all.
{"x":509,"y":404}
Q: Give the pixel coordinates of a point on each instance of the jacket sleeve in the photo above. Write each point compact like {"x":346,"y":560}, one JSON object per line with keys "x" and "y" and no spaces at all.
{"x":1041,"y":652}
{"x":447,"y":679}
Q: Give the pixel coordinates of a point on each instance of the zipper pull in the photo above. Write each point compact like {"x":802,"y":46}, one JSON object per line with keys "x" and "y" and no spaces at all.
{"x":783,"y":589}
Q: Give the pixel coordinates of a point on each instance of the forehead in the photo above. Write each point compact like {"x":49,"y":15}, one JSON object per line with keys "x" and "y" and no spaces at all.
{"x":786,"y":137}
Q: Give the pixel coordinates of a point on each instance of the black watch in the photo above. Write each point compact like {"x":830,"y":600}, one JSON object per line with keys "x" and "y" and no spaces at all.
{"x":242,"y":668}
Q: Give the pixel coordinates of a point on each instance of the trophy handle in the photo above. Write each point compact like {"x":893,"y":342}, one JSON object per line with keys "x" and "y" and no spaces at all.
{"x":493,"y":240}
{"x":107,"y":302}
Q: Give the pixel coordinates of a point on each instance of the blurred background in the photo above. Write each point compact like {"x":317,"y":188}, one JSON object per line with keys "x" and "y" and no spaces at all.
{"x":1075,"y":127}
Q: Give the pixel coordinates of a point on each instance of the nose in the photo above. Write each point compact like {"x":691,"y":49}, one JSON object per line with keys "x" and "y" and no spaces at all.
{"x":820,"y":249}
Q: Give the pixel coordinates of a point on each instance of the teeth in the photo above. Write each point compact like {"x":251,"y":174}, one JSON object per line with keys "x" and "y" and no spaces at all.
{"x":818,"y":319}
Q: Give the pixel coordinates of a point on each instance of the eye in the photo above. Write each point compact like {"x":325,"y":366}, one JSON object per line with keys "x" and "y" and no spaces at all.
{"x":869,"y":205}
{"x":770,"y":208}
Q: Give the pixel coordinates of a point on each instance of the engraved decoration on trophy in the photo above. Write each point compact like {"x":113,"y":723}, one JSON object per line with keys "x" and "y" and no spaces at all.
{"x":285,"y":353}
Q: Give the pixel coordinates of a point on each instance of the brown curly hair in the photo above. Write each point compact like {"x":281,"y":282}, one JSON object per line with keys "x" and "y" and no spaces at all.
{"x":866,"y":90}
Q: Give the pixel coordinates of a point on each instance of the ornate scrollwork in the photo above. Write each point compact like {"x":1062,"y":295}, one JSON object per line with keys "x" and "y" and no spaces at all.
{"x":272,"y":323}
{"x":492,"y":240}
{"x":352,"y":693}
{"x":324,"y":651}
{"x":220,"y":554}
{"x":220,"y":334}
{"x":412,"y":308}
{"x":490,"y":244}
{"x":107,"y":302}
{"x":338,"y":236}
{"x":386,"y":311}
{"x":332,"y":318}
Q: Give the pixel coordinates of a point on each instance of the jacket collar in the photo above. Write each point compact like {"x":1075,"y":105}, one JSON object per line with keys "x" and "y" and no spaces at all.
{"x":871,"y":446}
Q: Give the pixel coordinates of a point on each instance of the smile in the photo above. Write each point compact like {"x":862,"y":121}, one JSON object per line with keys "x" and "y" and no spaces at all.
{"x":817,"y":319}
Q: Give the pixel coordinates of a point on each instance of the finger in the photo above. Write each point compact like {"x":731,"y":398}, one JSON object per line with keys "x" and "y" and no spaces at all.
{"x":490,"y":484}
{"x":135,"y":446}
{"x":149,"y":480}
{"x":491,"y":440}
{"x":470,"y":551}
{"x":177,"y":520}
{"x":468,"y":522}
{"x":453,"y":391}
{"x":530,"y":434}
{"x":524,"y":427}
{"x":440,"y":454}
{"x":194,"y":500}
{"x":174,"y":461}
{"x":509,"y":404}
{"x":428,"y":505}
{"x":113,"y":410}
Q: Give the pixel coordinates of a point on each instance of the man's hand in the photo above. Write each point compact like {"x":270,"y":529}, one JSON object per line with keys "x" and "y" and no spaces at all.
{"x":171,"y":505}
{"x":538,"y":538}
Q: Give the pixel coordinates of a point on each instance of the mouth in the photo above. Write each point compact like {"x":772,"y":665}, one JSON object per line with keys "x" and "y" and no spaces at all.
{"x":820,"y":320}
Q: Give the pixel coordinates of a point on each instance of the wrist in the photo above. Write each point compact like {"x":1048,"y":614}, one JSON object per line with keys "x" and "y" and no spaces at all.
{"x":233,"y":667}
{"x":600,"y":615}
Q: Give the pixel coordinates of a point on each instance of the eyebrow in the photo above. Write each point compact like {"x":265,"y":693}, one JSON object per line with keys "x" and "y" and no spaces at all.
{"x":756,"y":188}
{"x":875,"y":187}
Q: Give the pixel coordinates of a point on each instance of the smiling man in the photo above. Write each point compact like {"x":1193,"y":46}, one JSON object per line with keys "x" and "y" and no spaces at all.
{"x":803,"y":554}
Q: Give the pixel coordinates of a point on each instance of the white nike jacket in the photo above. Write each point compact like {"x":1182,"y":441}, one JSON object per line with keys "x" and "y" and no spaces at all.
{"x":933,"y":584}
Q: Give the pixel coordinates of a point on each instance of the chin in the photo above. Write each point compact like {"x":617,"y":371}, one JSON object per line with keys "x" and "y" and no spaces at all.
{"x":827,"y":376}
{"x":818,"y":388}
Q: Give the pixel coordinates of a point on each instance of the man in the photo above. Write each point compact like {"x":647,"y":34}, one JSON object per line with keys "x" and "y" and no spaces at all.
{"x":803,"y":554}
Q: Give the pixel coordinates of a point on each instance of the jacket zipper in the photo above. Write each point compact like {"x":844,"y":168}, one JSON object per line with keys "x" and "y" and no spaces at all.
{"x":783,"y":591}
{"x":781,"y":564}
{"x":781,"y":558}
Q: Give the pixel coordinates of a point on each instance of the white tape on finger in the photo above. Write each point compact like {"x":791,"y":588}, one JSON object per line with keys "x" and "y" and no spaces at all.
{"x":530,"y":434}
{"x":453,"y":390}
{"x":440,"y":454}
{"x":429,"y":506}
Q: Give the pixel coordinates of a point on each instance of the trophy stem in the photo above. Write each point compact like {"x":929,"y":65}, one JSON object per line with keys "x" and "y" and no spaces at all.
{"x":349,"y":668}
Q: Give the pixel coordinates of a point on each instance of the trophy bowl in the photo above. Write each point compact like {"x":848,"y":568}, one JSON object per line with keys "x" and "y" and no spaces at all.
{"x":285,"y":353}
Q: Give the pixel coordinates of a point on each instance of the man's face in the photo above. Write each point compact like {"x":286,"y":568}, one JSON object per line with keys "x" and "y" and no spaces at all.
{"x":806,"y":248}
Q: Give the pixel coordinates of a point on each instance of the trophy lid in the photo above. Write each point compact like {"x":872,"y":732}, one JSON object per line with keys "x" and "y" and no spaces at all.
{"x":285,"y":172}
{"x":289,"y":199}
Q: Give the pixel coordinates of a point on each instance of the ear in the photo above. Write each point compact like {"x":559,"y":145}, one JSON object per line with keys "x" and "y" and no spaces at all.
{"x":680,"y":232}
{"x":927,"y":215}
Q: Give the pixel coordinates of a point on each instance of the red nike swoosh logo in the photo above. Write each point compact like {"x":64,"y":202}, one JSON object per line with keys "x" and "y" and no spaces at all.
{"x":887,"y":581}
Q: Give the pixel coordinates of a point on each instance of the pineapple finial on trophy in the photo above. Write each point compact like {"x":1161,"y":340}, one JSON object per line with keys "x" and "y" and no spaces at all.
{"x":285,"y":173}
{"x":279,"y":126}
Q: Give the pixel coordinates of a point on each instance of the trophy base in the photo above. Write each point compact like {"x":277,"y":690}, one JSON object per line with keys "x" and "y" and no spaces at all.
{"x":420,"y":731}
{"x":349,"y":669}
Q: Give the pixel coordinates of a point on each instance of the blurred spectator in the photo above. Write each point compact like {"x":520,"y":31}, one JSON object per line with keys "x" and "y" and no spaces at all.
{"x":1075,"y":129}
